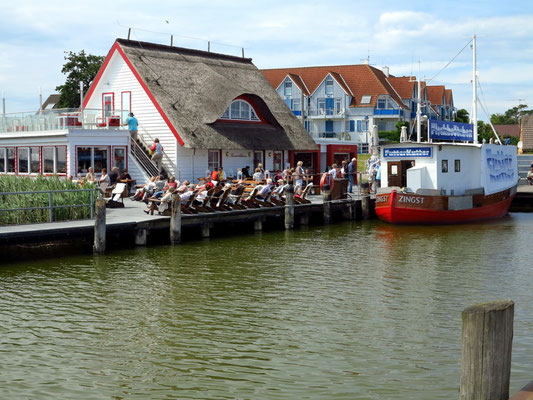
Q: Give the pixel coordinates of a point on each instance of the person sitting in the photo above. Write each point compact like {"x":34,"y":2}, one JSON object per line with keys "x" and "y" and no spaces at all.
{"x":171,"y":183}
{"x":208,"y":184}
{"x":214,"y":175}
{"x":246,"y":172}
{"x":239,"y":174}
{"x":183,"y":187}
{"x":264,"y":190}
{"x":113,"y":176}
{"x":236,"y":191}
{"x":258,"y":175}
{"x":276,"y":193}
{"x":104,"y":178}
{"x":89,"y":177}
{"x":530,"y":176}
{"x":187,"y":194}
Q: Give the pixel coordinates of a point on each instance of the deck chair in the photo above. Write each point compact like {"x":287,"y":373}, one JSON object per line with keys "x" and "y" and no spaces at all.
{"x":204,"y":206}
{"x":118,"y":193}
{"x":301,"y":199}
{"x":249,"y":201}
{"x":266,"y":202}
{"x":235,"y":200}
{"x":187,"y":207}
{"x":279,"y":200}
{"x":220,"y":203}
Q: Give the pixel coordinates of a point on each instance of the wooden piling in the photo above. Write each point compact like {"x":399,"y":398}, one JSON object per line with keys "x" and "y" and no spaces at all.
{"x":205,"y":230}
{"x":365,"y":207}
{"x":289,"y":207}
{"x":326,"y":197}
{"x":258,"y":225}
{"x":99,"y":227}
{"x":175,"y":220}
{"x":487,"y":337}
{"x":141,"y":237}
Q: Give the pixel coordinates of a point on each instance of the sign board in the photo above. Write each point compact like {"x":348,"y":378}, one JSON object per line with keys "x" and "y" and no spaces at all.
{"x":499,"y":167}
{"x":407,"y":152}
{"x":447,"y":130}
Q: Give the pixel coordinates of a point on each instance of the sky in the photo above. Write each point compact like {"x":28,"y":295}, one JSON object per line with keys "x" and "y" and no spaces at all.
{"x":401,"y":35}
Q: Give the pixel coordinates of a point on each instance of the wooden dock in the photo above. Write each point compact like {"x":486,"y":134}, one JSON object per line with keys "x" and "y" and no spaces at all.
{"x":132,"y":224}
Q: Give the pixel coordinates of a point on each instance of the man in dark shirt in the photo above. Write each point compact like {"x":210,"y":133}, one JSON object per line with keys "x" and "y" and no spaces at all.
{"x":113,"y":175}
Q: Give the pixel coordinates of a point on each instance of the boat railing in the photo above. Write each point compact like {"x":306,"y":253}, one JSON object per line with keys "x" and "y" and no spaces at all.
{"x":61,"y":119}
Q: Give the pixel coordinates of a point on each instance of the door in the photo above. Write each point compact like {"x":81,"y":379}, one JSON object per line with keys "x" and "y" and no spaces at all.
{"x":406,"y":164}
{"x":329,"y":106}
{"x":258,"y":158}
{"x":394,"y":173}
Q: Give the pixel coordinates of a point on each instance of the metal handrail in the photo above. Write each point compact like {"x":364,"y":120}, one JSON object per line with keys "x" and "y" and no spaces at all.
{"x":147,"y":163}
{"x":166,"y":161}
{"x":51,"y":206}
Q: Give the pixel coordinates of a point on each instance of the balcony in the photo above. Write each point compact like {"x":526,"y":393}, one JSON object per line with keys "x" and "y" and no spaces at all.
{"x":326,"y":113}
{"x":334,"y":136}
{"x":61,"y":119}
{"x":388,"y":112}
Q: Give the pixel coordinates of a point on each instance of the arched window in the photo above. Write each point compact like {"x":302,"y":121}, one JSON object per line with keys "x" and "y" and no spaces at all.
{"x":240,"y":110}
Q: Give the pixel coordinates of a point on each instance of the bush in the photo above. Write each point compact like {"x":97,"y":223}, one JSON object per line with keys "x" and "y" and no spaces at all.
{"x":27,"y":184}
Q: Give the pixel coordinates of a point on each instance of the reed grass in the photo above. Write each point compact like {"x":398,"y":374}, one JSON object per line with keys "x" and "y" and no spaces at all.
{"x":27,"y":184}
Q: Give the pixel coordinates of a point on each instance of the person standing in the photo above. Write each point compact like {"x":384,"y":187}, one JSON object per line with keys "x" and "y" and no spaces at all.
{"x":299,"y":176}
{"x":133,"y":124}
{"x":352,"y":168}
{"x":157,"y":153}
{"x":378,"y":176}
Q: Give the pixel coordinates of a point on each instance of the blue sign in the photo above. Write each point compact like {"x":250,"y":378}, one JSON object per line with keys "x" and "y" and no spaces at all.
{"x":407,"y":152}
{"x":446,"y":130}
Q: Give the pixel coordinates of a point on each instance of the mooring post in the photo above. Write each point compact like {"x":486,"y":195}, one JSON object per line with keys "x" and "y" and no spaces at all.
{"x":289,"y":207}
{"x":365,"y":206}
{"x":175,"y":220}
{"x":204,"y":230}
{"x":141,"y":236}
{"x":99,"y":227}
{"x":487,"y":338}
{"x":326,"y":198}
{"x":258,"y":225}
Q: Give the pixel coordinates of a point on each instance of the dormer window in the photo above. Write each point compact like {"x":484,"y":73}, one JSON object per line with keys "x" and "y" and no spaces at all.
{"x":240,"y":110}
{"x":329,"y":86}
{"x":365,"y":99}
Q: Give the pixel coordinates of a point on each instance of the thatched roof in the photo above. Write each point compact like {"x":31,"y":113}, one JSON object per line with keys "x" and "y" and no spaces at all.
{"x":194,"y":88}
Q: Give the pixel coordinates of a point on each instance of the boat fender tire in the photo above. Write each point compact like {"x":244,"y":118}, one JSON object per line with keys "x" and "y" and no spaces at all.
{"x":326,"y":182}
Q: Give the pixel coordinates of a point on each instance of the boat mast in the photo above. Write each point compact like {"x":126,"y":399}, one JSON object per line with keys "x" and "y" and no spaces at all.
{"x":418,"y":108}
{"x":474,"y":89}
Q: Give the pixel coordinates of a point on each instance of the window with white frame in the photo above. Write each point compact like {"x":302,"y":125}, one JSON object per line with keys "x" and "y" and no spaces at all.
{"x":321,"y":105}
{"x":213,"y":159}
{"x":329,"y":86}
{"x":382,"y":103}
{"x":296,"y":104}
{"x":240,"y":110}
{"x":287,"y":88}
{"x":338,"y":104}
{"x":95,"y":157}
{"x":10,"y":159}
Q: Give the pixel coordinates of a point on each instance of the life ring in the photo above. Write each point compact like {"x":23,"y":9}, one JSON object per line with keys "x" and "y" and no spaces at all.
{"x":326,"y":179}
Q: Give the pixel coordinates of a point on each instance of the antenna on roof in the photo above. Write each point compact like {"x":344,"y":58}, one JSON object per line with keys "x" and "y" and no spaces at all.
{"x":129,"y":32}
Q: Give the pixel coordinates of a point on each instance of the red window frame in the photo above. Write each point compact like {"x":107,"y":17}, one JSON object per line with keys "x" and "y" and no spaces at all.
{"x":103,"y":104}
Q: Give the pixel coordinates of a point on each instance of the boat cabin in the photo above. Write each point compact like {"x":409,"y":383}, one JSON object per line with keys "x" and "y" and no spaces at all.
{"x":448,"y":168}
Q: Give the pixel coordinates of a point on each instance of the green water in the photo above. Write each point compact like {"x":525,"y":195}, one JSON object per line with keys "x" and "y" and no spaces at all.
{"x":351,"y":311}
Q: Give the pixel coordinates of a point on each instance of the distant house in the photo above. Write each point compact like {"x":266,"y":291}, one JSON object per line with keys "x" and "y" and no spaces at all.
{"x":51,"y":102}
{"x":508,"y":130}
{"x":208,"y":110}
{"x":341,"y":103}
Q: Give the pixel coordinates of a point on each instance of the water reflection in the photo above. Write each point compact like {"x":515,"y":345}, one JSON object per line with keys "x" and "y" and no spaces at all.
{"x":357,"y":310}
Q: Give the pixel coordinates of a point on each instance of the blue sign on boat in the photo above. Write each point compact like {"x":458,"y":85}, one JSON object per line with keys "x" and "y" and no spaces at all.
{"x":447,"y":130}
{"x":404,"y":152}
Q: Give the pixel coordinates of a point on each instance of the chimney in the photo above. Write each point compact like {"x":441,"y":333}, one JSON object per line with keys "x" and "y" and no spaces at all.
{"x":386,"y":71}
{"x":365,"y":61}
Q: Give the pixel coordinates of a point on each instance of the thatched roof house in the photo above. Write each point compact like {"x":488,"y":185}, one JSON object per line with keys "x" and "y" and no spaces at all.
{"x":194,"y":88}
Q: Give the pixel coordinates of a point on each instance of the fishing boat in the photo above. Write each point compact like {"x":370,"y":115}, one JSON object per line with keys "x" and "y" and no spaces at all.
{"x":450,"y":179}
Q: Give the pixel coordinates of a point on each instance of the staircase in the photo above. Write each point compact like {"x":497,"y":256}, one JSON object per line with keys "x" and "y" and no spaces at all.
{"x":141,"y":153}
{"x":524,"y":164}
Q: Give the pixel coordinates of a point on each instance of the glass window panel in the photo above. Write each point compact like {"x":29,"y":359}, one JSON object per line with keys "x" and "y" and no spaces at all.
{"x":394,"y":170}
{"x":213,"y":159}
{"x":329,"y":86}
{"x":337,"y":104}
{"x":381,"y":103}
{"x":245,"y":110}
{"x":11,"y":159}
{"x":444,"y":166}
{"x":48,"y":160}
{"x":23,"y":155}
{"x":100,"y":159}
{"x":226,"y":114}
{"x":253,"y":115}
{"x":119,"y":158}
{"x":34,"y":160}
{"x":321,"y":103}
{"x":288,"y":88}
{"x":366,"y":99}
{"x":457,"y":165}
{"x":296,"y":104}
{"x":235,"y":110}
{"x":278,"y":156}
{"x":108,"y":105}
{"x":2,"y":160}
{"x":61,"y":159}
{"x":84,"y":159}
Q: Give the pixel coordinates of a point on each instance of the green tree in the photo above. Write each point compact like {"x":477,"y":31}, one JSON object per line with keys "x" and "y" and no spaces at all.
{"x":79,"y":67}
{"x":511,"y":116}
{"x":462,"y":116}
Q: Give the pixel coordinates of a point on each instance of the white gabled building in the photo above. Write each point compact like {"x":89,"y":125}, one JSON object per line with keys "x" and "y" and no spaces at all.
{"x":208,"y":110}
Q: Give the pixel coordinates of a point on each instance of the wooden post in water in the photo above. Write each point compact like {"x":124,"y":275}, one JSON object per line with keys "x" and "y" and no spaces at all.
{"x":289,"y":207}
{"x":326,"y":197}
{"x":99,"y":227}
{"x":205,"y":230}
{"x":487,"y":337}
{"x":365,"y":206}
{"x":258,"y":225}
{"x":175,"y":220}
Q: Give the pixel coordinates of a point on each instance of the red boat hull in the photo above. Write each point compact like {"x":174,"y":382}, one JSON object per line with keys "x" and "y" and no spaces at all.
{"x":430,"y":211}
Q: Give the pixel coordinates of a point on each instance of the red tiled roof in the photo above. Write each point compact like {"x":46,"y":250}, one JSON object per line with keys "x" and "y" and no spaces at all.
{"x":508,"y":130}
{"x":360,"y":80}
{"x":448,"y":97}
{"x":404,"y":85}
{"x":435,"y":94}
{"x":297,"y":79}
